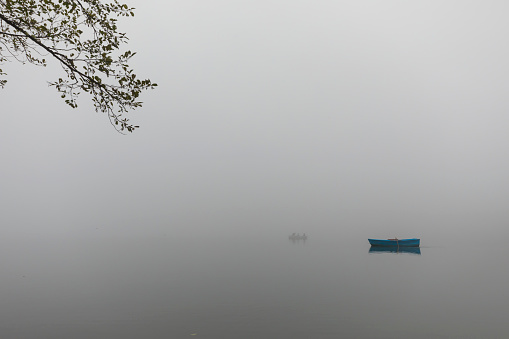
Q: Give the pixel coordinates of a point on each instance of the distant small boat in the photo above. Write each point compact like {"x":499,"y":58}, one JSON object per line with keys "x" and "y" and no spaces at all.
{"x":298,"y":237}
{"x":414,"y":242}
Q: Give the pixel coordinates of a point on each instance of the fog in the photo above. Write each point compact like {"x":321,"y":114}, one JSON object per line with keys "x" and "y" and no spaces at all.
{"x":341,"y":119}
{"x":274,"y":116}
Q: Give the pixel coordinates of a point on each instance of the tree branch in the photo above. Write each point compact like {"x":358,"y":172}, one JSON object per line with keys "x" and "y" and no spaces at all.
{"x":58,"y":56}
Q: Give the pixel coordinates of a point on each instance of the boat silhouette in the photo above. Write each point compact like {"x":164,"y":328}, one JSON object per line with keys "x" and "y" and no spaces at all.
{"x":297,"y":236}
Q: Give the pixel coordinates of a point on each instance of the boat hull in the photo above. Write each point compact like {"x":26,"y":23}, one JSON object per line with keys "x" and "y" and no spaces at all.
{"x":395,"y":243}
{"x":298,"y":237}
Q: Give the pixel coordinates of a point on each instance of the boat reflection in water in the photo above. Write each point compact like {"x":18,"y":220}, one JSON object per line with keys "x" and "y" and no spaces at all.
{"x":395,"y":249}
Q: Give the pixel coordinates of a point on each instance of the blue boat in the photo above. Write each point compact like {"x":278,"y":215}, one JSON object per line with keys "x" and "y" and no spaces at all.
{"x":414,"y":242}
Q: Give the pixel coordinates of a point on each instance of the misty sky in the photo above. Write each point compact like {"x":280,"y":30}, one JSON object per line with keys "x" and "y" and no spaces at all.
{"x":274,"y":116}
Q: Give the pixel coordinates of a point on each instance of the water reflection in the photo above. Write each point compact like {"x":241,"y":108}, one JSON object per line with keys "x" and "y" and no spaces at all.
{"x":395,"y":249}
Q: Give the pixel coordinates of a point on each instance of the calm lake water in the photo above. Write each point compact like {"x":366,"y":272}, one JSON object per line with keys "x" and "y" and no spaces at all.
{"x":249,"y":287}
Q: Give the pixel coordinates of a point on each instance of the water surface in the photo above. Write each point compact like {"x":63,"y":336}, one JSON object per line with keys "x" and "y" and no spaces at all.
{"x":249,"y":287}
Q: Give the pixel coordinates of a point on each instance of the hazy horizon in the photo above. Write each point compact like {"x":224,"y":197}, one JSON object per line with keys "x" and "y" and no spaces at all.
{"x":341,"y":119}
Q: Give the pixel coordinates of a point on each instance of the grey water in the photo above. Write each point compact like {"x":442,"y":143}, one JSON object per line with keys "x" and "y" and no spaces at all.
{"x":251,"y":285}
